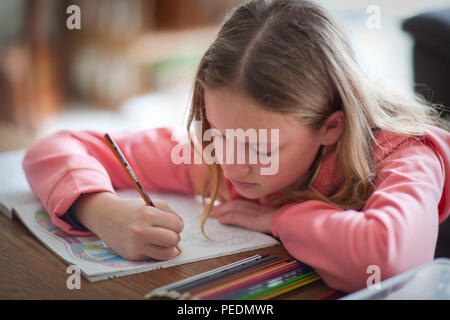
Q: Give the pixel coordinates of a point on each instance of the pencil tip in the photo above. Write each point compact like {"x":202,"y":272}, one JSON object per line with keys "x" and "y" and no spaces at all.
{"x":173,"y":295}
{"x":184,"y":296}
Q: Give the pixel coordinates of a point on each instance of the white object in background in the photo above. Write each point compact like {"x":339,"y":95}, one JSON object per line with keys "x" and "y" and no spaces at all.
{"x":427,"y":282}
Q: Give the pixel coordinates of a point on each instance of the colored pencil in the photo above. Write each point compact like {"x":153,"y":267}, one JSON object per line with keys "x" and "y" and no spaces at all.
{"x":268,"y":262}
{"x":239,"y":275}
{"x":267,"y":284}
{"x":284,"y":289}
{"x":253,"y":289}
{"x":241,"y":282}
{"x":292,"y":277}
{"x":119,"y":155}
{"x":258,"y":276}
{"x":225,"y":273}
{"x":161,"y":291}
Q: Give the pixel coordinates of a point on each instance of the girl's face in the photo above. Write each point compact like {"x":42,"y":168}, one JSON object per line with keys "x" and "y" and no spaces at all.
{"x":296,"y":150}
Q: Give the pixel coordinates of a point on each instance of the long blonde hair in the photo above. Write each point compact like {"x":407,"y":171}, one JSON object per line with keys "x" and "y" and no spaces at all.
{"x":289,"y":56}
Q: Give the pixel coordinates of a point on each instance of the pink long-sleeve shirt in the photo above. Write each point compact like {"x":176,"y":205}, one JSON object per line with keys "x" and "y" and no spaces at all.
{"x":396,"y":230}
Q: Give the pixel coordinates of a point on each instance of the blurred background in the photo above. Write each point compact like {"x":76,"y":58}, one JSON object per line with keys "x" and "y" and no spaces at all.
{"x":131,"y":63}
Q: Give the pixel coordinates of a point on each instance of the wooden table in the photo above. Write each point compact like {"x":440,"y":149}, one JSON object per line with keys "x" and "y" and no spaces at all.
{"x":28,"y":270}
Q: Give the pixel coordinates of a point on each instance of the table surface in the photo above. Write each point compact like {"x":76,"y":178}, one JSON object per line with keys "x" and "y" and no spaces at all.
{"x":28,"y":270}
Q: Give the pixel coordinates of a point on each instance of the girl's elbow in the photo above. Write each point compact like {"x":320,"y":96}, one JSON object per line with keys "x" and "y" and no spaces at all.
{"x":376,"y":266}
{"x":402,"y":247}
{"x":396,"y":259}
{"x":407,"y":258}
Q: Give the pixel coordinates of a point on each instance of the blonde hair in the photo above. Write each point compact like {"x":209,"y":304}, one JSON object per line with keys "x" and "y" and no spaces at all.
{"x":291,"y":57}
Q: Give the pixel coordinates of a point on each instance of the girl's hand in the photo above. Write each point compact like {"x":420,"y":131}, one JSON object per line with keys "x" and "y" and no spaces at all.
{"x":244,"y":213}
{"x":130,"y":227}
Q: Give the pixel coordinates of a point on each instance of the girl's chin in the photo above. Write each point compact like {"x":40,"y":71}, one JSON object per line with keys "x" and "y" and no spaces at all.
{"x":253,"y":193}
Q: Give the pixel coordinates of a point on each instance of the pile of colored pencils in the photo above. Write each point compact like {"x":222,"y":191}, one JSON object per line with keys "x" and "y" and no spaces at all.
{"x":256,"y":278}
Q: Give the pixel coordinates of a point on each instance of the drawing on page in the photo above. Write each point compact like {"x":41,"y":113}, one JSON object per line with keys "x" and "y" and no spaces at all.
{"x":87,"y":248}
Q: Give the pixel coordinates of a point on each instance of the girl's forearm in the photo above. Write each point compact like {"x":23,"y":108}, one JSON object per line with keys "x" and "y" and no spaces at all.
{"x":89,"y":208}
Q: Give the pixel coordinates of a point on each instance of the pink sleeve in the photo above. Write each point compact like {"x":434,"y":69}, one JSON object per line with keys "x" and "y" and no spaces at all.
{"x":396,"y":230}
{"x":64,"y":165}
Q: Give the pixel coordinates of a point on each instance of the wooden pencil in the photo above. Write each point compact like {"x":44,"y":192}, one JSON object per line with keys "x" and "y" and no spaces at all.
{"x":271,"y":288}
{"x":267,"y":284}
{"x":238,"y":283}
{"x":213,"y":278}
{"x":290,"y":287}
{"x":238,"y":275}
{"x":242,"y":283}
{"x":162,"y":291}
{"x":249,"y":284}
{"x":258,"y":277}
{"x":119,"y":155}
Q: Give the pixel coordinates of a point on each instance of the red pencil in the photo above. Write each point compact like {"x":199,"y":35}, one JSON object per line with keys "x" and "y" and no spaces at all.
{"x":248,"y":280}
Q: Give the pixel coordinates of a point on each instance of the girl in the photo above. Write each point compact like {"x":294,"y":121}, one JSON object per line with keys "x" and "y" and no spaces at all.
{"x":363,"y":175}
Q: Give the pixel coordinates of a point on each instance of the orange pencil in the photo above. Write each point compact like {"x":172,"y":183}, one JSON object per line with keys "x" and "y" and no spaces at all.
{"x":239,"y":275}
{"x":119,"y":155}
{"x":246,"y":279}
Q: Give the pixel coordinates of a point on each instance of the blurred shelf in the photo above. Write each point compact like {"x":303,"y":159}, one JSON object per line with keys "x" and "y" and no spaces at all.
{"x":155,"y":46}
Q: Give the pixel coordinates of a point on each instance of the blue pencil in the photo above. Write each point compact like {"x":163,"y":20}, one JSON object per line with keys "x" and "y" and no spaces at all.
{"x":303,"y":270}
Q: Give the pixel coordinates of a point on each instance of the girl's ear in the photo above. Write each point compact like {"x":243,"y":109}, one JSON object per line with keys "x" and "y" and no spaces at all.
{"x":332,"y":128}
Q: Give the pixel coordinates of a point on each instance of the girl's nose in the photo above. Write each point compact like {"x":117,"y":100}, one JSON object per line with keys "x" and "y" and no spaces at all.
{"x":235,"y":171}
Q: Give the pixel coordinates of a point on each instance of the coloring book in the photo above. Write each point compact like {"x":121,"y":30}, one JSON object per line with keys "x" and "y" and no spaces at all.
{"x":94,"y":258}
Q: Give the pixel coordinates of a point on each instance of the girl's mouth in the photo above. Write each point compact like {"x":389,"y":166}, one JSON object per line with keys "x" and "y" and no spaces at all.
{"x":242,"y":185}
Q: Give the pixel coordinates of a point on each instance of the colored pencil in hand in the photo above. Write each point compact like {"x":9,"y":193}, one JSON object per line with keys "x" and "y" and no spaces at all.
{"x":119,"y":155}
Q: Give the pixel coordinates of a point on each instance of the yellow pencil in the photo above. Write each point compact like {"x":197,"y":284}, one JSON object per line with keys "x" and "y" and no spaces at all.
{"x":119,"y":155}
{"x":295,"y":285}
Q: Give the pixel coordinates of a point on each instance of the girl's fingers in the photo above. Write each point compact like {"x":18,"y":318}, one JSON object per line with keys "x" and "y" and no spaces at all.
{"x":234,"y":206}
{"x":245,"y":214}
{"x":164,"y":207}
{"x":161,"y":237}
{"x":160,"y":253}
{"x":259,"y":223}
{"x":226,"y":207}
{"x":238,"y":219}
{"x":216,"y":211}
{"x":167,"y":220}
